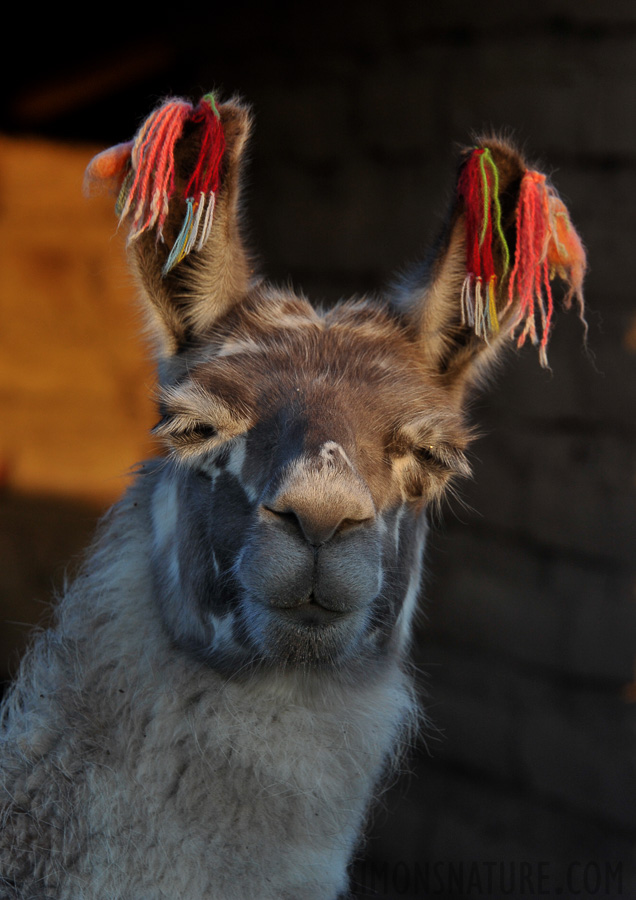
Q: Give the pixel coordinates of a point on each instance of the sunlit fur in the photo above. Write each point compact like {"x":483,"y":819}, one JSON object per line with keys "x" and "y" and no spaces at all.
{"x":227,"y":680}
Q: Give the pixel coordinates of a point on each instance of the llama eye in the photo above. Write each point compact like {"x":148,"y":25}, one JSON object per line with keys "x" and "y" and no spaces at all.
{"x":186,"y":437}
{"x":442,"y":459}
{"x":193,"y":434}
{"x":171,"y":427}
{"x":426,"y":454}
{"x":201,"y":432}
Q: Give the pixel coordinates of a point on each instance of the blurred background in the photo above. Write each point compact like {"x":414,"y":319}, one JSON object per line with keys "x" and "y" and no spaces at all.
{"x":524,"y":784}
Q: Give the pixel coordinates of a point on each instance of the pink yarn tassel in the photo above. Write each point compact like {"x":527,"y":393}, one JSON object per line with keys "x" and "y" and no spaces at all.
{"x":150,"y":189}
{"x":547,"y":245}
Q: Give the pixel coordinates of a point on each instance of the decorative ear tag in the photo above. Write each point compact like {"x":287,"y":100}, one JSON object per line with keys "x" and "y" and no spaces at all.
{"x":547,"y":245}
{"x":145,"y":170}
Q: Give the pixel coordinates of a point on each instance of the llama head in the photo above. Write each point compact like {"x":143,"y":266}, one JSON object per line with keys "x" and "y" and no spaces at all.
{"x":303,"y":448}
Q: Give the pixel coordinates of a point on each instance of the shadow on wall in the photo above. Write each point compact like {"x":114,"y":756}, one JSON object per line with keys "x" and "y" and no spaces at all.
{"x":42,"y":539}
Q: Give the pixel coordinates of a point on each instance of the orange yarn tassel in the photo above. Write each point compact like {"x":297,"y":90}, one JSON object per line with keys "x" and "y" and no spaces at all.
{"x":547,"y":245}
{"x":147,"y":193}
{"x":566,"y":256}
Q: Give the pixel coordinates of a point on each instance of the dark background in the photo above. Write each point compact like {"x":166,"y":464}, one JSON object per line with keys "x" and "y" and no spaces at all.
{"x":526,"y":647}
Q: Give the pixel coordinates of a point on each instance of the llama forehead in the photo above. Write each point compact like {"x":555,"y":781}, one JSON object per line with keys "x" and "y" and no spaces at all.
{"x":348,"y":358}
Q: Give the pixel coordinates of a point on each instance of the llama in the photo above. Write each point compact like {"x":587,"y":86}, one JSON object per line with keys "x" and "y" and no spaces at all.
{"x":226,"y":684}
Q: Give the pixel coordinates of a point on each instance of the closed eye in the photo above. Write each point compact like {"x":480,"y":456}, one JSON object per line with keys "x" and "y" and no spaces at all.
{"x":445,"y":458}
{"x":182,"y":431}
{"x":426,"y":455}
{"x":200,"y":432}
{"x":196,"y":421}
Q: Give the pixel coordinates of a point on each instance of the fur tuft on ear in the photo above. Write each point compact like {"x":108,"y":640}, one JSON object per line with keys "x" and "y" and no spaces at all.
{"x":178,"y":186}
{"x":509,"y":235}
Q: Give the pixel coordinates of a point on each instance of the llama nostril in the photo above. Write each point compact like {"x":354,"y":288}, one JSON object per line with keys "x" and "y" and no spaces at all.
{"x":282,"y":516}
{"x":316,"y":529}
{"x":346,"y":524}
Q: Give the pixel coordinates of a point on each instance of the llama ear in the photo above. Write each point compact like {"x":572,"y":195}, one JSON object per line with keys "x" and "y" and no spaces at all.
{"x":508,"y":236}
{"x":178,"y":189}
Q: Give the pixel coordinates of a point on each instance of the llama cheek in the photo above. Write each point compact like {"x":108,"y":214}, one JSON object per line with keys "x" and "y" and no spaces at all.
{"x":165,"y":511}
{"x":236,"y":466}
{"x":221,"y":517}
{"x":403,"y":625}
{"x":415,"y":540}
{"x":223,"y":634}
{"x":397,"y":526}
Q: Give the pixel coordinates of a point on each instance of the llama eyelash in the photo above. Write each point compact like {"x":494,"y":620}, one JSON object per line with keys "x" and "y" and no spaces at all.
{"x":177,"y":430}
{"x":445,"y":456}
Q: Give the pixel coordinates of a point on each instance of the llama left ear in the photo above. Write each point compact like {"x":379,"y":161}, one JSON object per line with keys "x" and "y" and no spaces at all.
{"x":509,"y":234}
{"x":178,"y":187}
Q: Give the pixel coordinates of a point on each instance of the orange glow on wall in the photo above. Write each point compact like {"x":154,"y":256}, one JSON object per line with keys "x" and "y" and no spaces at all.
{"x":75,"y":381}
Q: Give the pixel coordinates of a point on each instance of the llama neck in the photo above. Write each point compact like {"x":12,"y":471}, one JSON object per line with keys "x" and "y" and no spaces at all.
{"x":223,"y":760}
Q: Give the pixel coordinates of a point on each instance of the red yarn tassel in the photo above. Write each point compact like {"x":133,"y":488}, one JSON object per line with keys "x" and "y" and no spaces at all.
{"x":201,"y":190}
{"x":205,"y":178}
{"x":478,"y":187}
{"x":547,"y":245}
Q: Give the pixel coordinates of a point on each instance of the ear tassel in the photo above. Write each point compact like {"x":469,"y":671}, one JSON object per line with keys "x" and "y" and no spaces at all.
{"x":479,"y":188}
{"x":547,"y":246}
{"x":152,"y":164}
{"x":146,"y":170}
{"x":530,"y":277}
{"x":200,"y":193}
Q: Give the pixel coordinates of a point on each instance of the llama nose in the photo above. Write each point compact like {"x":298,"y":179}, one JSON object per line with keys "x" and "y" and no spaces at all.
{"x":319,"y":512}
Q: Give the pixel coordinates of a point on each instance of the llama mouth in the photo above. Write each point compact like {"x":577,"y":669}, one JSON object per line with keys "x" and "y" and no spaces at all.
{"x":311,"y":613}
{"x":309,"y":634}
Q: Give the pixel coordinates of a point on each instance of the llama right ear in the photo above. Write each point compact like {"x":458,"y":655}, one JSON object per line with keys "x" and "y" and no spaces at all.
{"x":507,"y":236}
{"x":178,"y":190}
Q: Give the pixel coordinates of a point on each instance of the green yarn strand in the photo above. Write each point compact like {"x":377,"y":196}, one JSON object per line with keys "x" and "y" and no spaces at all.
{"x":209,"y":98}
{"x":486,"y":189}
{"x":487,"y":156}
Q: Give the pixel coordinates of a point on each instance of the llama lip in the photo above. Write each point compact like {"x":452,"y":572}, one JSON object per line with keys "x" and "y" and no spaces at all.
{"x":312,"y":613}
